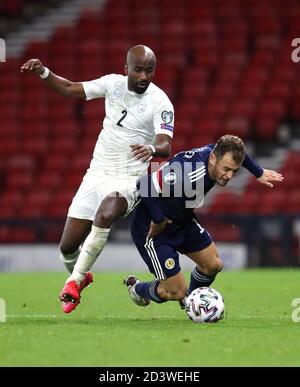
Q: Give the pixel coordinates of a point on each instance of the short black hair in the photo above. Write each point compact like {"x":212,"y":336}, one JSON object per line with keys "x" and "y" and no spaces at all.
{"x":230,"y":144}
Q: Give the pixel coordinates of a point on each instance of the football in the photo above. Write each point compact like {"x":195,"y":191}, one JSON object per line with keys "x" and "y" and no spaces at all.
{"x":205,"y":305}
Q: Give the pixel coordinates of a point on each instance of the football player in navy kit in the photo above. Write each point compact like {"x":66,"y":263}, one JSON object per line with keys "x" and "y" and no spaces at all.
{"x":164,"y":222}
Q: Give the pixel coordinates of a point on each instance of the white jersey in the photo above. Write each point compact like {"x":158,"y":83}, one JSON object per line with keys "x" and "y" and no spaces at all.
{"x":131,"y":118}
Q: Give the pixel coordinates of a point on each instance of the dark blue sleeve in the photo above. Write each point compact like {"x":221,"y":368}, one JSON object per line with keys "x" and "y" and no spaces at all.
{"x":164,"y":183}
{"x":150,"y":199}
{"x":252,"y":166}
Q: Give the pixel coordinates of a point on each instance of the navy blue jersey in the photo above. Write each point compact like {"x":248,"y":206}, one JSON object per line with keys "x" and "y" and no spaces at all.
{"x":179,"y":187}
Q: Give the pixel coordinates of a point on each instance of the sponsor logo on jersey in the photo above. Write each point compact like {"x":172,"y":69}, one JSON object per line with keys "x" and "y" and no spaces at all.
{"x":170,"y":178}
{"x":167,"y":117}
{"x":170,"y":263}
{"x":189,"y":154}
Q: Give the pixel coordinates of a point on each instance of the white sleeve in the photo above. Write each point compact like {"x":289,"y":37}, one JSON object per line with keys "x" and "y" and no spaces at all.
{"x":163,"y":119}
{"x":96,"y":88}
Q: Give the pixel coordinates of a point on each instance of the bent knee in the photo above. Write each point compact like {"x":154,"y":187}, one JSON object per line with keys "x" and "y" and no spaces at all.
{"x":105,"y":219}
{"x":213,"y":267}
{"x":67,"y":248}
{"x":218,"y":265}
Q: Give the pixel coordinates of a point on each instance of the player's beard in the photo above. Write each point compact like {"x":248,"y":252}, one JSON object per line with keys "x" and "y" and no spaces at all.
{"x":141,"y":87}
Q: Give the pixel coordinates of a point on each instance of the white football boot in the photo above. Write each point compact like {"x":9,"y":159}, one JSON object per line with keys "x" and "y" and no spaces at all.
{"x":131,"y":282}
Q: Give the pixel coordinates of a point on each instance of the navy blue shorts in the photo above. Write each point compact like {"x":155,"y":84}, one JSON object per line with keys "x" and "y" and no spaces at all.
{"x":161,"y":253}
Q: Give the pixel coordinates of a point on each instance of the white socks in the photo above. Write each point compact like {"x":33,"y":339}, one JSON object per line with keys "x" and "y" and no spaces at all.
{"x":91,"y":249}
{"x":69,"y":260}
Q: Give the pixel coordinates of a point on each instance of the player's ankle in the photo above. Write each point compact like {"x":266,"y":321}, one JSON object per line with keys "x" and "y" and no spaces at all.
{"x":77,"y":277}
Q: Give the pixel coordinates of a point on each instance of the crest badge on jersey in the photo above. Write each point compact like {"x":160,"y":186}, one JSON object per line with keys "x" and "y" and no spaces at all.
{"x":141,"y":107}
{"x":167,"y":117}
{"x":170,"y":263}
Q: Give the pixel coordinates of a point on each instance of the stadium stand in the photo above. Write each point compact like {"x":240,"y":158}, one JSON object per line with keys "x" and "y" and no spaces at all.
{"x":226,"y":66}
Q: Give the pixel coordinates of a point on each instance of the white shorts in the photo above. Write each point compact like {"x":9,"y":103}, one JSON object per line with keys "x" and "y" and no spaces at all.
{"x":94,"y":189}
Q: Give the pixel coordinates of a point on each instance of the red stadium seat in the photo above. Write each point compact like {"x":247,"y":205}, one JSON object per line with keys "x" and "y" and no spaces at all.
{"x":23,"y":235}
{"x":81,"y":163}
{"x":40,"y":197}
{"x":247,"y":204}
{"x":73,"y":179}
{"x":90,"y":25}
{"x":237,"y":125}
{"x":279,"y":90}
{"x":180,"y":145}
{"x":35,"y":128}
{"x":223,"y":89}
{"x":228,"y":233}
{"x":35,"y":146}
{"x":64,"y":128}
{"x":188,"y":110}
{"x":8,"y":213}
{"x":63,"y":198}
{"x":6,"y":234}
{"x":273,"y":108}
{"x":19,"y":181}
{"x":20,"y":163}
{"x":65,"y":145}
{"x":272,"y":203}
{"x":292,"y":205}
{"x":53,"y":233}
{"x":209,"y":126}
{"x":223,"y":203}
{"x":266,"y":128}
{"x":56,"y":163}
{"x":49,"y":179}
{"x":243,"y":108}
{"x":31,"y":212}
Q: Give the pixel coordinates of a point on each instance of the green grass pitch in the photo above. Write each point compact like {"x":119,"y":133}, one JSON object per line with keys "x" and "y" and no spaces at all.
{"x":107,"y":329}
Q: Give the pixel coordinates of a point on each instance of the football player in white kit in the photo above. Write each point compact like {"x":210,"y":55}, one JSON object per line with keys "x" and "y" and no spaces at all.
{"x":138,"y":125}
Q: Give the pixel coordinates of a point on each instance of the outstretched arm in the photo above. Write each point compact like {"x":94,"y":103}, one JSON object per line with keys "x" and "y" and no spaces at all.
{"x":264,"y":176}
{"x":60,"y":85}
{"x":270,"y":176}
{"x":161,"y":148}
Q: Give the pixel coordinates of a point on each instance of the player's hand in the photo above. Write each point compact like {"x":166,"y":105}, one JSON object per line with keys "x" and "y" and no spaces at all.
{"x":156,"y":229}
{"x":141,"y":152}
{"x":270,"y":176}
{"x":34,"y":66}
